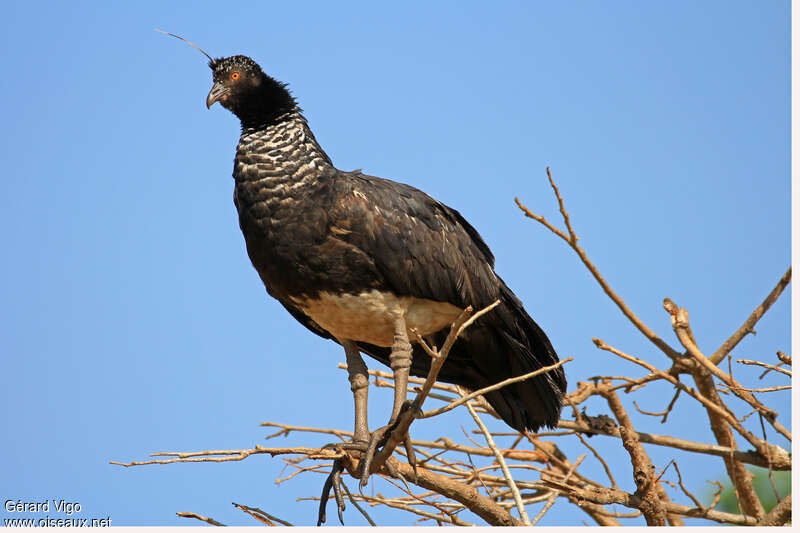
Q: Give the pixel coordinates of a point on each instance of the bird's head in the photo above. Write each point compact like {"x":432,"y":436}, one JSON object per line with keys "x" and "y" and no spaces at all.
{"x":241,"y":87}
{"x":236,"y":78}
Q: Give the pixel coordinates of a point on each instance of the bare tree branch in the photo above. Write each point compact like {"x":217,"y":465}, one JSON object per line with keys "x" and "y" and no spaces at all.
{"x":765,"y":365}
{"x":680,"y":323}
{"x":643,"y":473}
{"x":599,"y":458}
{"x":748,"y":457}
{"x":606,"y":496}
{"x":751,"y":321}
{"x":261,"y":516}
{"x":760,"y":445}
{"x":572,"y":240}
{"x":196,"y":516}
{"x":779,"y":515}
{"x":506,"y":473}
{"x":221,"y":456}
{"x":509,"y":381}
{"x":551,"y":500}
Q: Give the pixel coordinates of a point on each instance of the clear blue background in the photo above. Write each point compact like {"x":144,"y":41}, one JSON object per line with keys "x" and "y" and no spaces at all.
{"x":131,"y":320}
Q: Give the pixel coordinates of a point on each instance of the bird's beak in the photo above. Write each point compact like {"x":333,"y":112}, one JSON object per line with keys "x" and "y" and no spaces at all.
{"x":216,"y":93}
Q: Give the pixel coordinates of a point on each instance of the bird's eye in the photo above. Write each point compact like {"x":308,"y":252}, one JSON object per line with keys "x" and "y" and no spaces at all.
{"x":235,"y":76}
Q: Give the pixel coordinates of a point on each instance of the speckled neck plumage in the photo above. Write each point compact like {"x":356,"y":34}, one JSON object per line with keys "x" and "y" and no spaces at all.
{"x":285,"y":151}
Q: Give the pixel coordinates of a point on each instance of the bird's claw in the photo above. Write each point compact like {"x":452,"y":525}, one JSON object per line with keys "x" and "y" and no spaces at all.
{"x":334,"y":481}
{"x":380,"y":438}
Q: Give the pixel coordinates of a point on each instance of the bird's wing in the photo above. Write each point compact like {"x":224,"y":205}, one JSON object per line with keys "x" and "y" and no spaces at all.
{"x":421,"y":247}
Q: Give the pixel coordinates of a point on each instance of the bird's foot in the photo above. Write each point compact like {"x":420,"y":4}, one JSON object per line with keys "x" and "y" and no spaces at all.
{"x":387,"y":438}
{"x":334,"y":481}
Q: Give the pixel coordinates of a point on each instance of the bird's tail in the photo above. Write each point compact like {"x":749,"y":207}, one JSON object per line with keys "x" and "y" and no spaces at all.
{"x":508,"y":343}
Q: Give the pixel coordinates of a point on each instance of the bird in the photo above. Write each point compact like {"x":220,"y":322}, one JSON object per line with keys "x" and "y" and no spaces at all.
{"x":365,"y":261}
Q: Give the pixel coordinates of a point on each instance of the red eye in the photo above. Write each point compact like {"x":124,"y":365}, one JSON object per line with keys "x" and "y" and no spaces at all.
{"x":235,"y":76}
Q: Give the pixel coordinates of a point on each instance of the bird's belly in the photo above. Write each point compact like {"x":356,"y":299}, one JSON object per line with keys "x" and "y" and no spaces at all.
{"x":370,"y":315}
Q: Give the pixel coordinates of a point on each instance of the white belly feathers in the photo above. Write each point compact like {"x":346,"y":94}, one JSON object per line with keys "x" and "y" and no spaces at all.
{"x":370,"y":315}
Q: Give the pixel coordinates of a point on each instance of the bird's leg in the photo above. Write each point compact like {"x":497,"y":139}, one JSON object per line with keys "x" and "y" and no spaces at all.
{"x":400,"y":363}
{"x":359,"y":384}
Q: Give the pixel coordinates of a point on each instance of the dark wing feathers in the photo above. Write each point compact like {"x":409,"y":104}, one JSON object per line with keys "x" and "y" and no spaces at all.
{"x":425,"y":249}
{"x":411,"y":238}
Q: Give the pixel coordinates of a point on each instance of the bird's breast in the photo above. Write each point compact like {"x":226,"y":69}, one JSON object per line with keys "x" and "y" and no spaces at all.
{"x":369,"y":316}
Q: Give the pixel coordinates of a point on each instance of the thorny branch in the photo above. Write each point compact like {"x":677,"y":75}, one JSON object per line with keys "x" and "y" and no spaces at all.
{"x":489,"y":480}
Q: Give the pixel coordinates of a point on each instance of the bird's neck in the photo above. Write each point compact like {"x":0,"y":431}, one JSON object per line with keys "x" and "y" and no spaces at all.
{"x":283,"y":151}
{"x":264,"y":105}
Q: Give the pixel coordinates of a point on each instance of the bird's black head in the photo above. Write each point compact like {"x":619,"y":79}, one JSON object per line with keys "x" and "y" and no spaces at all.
{"x":242,"y":87}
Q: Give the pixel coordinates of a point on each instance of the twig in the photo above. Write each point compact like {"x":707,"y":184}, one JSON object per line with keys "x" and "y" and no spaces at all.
{"x":476,"y":475}
{"x":483,"y":405}
{"x":671,"y":403}
{"x":607,"y":496}
{"x":572,"y":240}
{"x":261,"y":516}
{"x":196,"y":516}
{"x":287,"y":429}
{"x":510,"y":480}
{"x":751,"y":321}
{"x":314,"y":468}
{"x":648,"y":413}
{"x":551,"y":500}
{"x":765,"y":389}
{"x":355,"y":504}
{"x":599,"y":458}
{"x":411,"y":509}
{"x":450,"y":340}
{"x":748,"y":457}
{"x":470,"y":396}
{"x":769,"y":470}
{"x":759,"y":444}
{"x":765,"y":365}
{"x":717,"y":493}
{"x":685,"y":491}
{"x":680,"y":323}
{"x":414,"y":498}
{"x":221,"y":456}
{"x":411,"y":379}
{"x":746,"y":497}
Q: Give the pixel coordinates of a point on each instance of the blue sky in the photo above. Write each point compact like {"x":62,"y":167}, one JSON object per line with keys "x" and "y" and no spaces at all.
{"x":132,"y":321}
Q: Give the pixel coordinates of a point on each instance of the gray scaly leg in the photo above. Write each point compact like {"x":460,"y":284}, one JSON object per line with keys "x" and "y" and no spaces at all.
{"x":359,"y":384}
